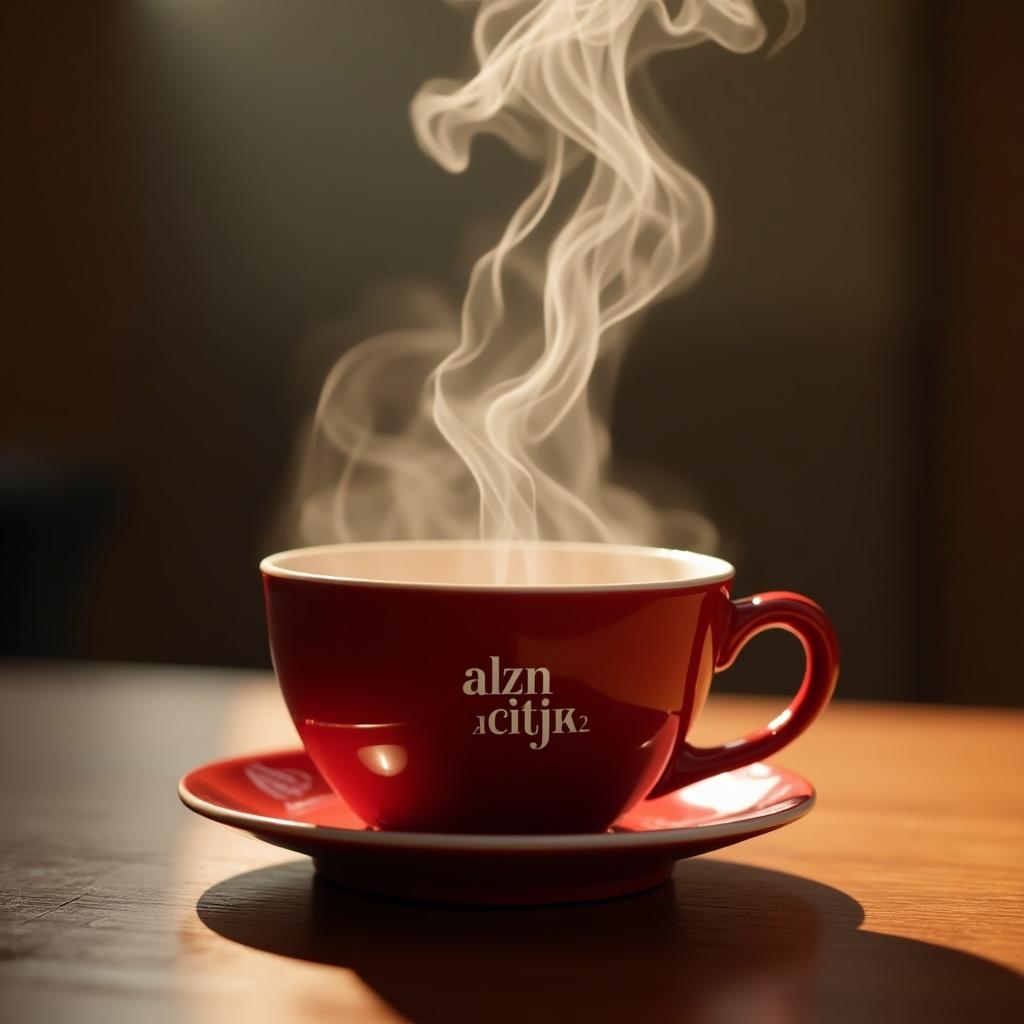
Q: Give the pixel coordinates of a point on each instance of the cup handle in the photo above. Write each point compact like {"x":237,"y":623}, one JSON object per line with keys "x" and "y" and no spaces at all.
{"x":747,"y":617}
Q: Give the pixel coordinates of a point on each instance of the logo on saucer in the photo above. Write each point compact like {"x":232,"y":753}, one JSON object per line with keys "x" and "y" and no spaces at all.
{"x":282,"y":784}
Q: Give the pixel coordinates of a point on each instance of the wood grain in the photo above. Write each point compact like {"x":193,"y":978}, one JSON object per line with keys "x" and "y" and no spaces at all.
{"x":898,"y":899}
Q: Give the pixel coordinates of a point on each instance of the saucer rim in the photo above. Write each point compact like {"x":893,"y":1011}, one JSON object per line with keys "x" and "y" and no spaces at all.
{"x":504,"y":842}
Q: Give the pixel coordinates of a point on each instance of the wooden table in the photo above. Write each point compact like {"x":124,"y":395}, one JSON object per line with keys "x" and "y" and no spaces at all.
{"x":897,"y":899}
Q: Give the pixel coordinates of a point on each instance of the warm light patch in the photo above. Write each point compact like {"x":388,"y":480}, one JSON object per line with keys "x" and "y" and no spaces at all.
{"x":729,"y":793}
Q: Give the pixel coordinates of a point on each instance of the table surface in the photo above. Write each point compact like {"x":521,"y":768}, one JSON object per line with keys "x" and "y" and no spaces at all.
{"x":897,"y":899}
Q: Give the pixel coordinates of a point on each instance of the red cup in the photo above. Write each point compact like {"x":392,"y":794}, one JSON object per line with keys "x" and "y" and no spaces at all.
{"x":433,"y":699}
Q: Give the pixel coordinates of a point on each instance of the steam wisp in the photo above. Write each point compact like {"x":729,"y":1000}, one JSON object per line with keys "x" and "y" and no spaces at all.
{"x":491,"y":422}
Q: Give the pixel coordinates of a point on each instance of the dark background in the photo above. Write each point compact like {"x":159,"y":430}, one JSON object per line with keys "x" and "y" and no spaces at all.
{"x":191,"y":188}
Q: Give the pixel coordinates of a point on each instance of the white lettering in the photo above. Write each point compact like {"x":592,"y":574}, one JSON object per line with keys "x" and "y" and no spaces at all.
{"x":564,"y":720}
{"x":512,"y":676}
{"x":534,"y":719}
{"x":475,"y":684}
{"x":531,"y":677}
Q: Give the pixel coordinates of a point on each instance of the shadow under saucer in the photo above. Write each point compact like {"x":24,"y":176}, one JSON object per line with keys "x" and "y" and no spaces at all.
{"x":720,"y":942}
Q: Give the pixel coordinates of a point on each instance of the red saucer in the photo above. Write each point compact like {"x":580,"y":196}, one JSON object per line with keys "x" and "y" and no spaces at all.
{"x":280,"y":798}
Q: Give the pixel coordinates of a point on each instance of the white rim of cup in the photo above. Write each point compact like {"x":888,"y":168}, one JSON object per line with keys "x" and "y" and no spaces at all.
{"x":704,"y":570}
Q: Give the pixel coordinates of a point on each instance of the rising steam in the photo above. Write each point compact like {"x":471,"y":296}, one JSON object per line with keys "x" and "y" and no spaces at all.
{"x":491,"y":422}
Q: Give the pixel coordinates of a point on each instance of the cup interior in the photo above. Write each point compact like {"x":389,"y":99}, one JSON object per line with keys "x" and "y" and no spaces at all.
{"x":492,"y":564}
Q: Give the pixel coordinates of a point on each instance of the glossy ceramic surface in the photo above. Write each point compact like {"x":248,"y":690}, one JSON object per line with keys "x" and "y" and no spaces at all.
{"x":281,"y":798}
{"x":438,"y":703}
